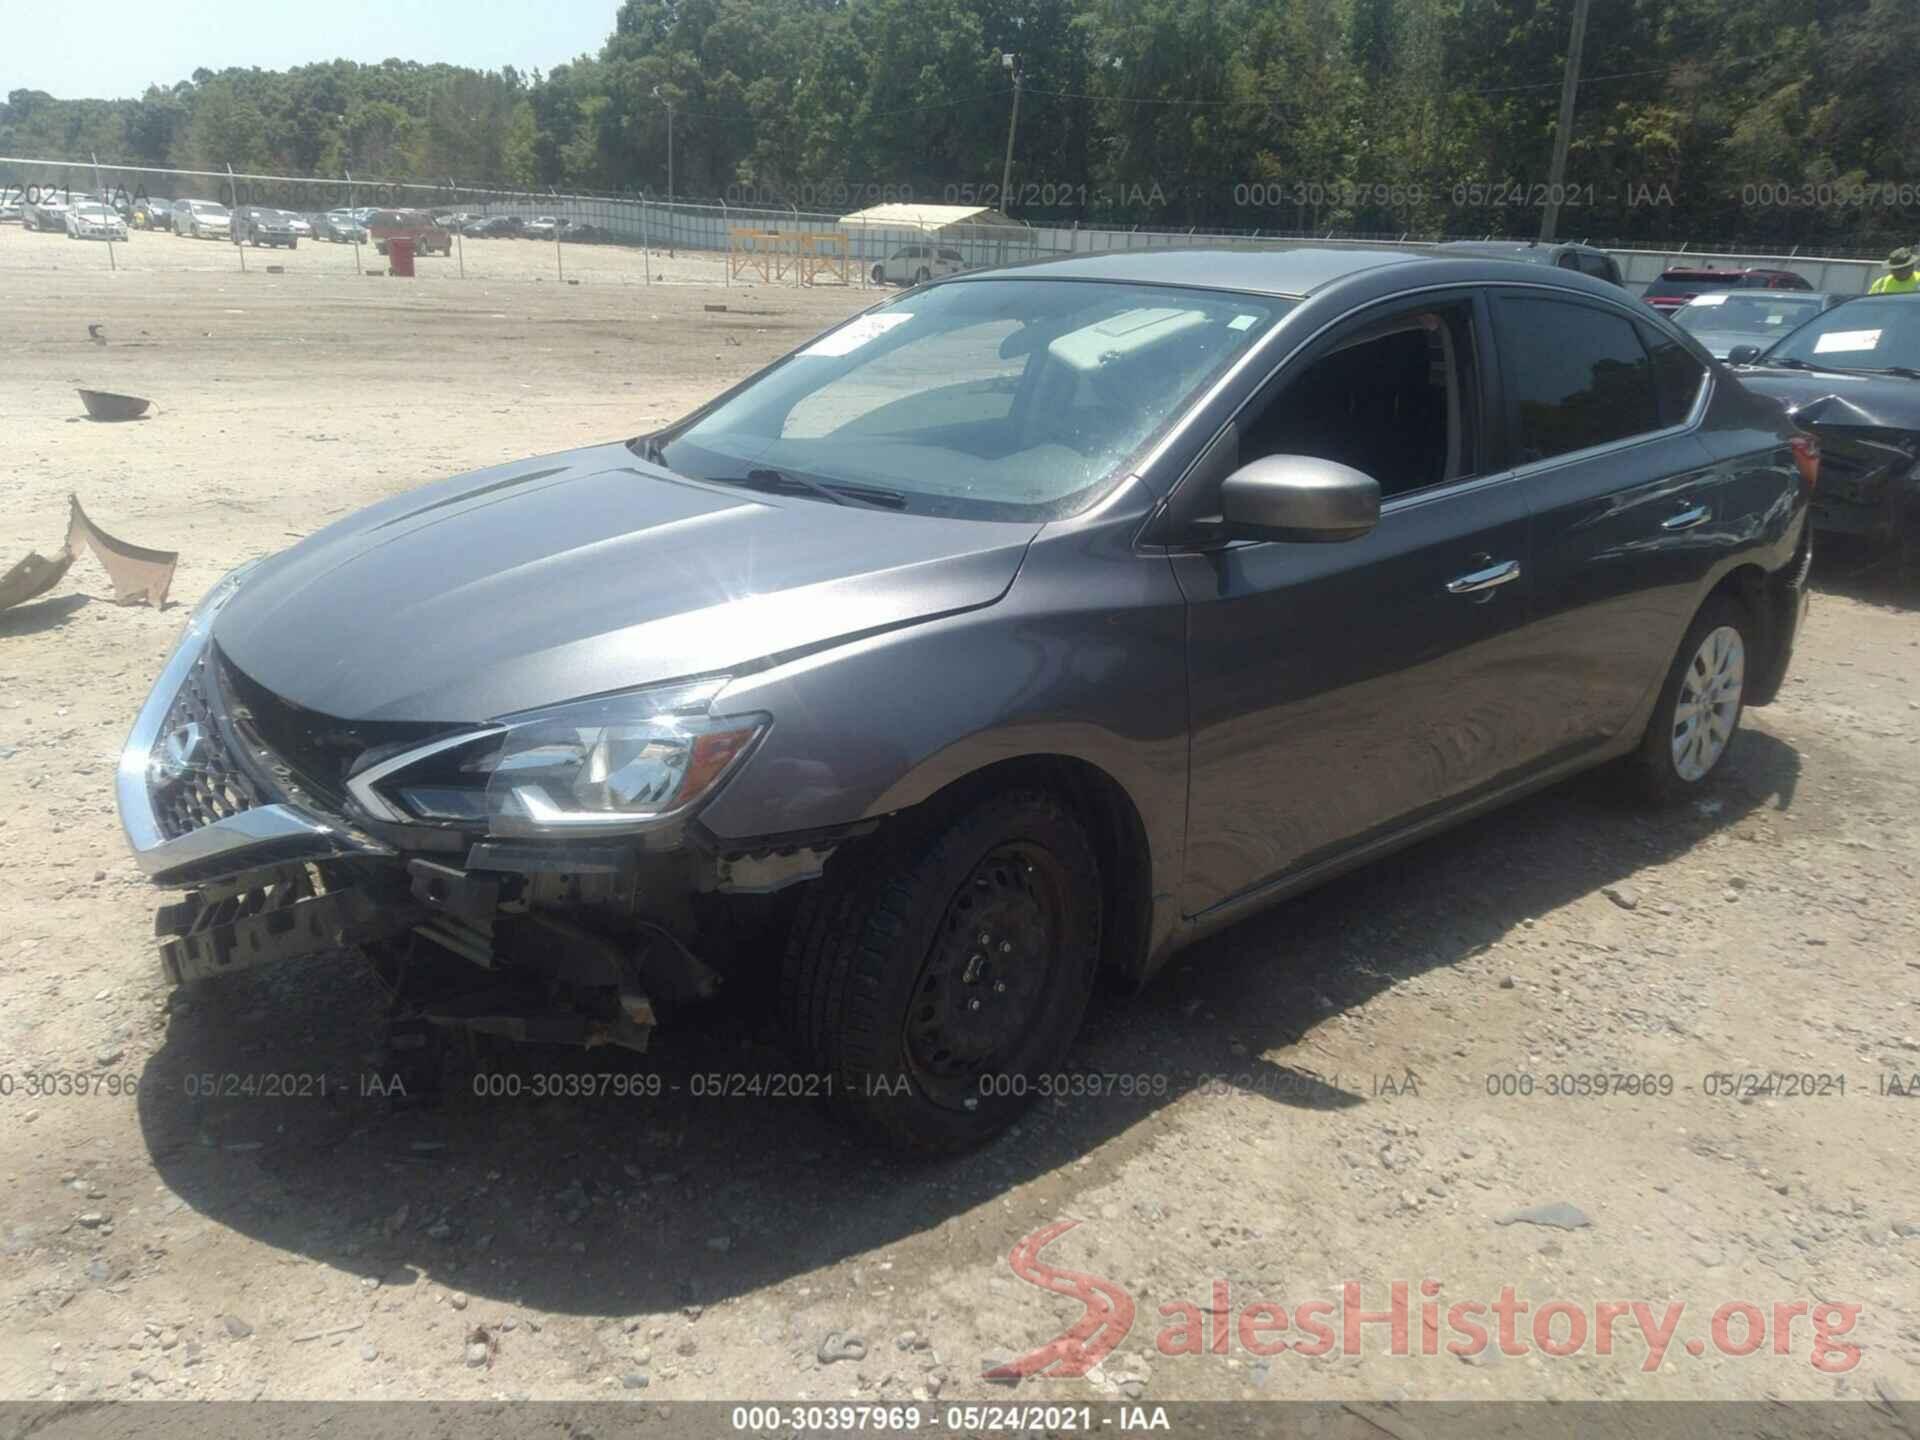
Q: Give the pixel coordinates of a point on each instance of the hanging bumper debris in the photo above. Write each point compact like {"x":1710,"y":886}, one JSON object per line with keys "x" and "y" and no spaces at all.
{"x":137,"y":572}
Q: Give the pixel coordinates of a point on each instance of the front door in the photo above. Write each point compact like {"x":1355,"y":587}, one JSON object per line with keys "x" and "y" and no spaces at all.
{"x":1340,"y":691}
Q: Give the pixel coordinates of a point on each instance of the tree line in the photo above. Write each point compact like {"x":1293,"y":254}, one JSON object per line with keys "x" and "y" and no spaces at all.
{"x":1769,"y":121}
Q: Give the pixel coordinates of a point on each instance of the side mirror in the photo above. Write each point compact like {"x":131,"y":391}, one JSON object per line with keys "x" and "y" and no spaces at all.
{"x":1299,"y":498}
{"x":1743,"y":354}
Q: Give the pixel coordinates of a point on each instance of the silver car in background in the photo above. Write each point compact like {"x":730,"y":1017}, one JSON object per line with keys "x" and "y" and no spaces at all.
{"x":202,"y":219}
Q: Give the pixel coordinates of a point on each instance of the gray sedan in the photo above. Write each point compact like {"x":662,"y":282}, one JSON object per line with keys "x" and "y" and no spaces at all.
{"x":1033,"y":624}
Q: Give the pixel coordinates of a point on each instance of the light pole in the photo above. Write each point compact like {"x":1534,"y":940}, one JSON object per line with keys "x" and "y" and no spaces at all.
{"x":1012,"y":65}
{"x":1563,"y":132}
{"x":669,"y":104}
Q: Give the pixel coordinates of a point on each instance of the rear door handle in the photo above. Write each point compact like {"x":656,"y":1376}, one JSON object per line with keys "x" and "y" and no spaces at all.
{"x":1688,"y":518}
{"x":1486,"y":579}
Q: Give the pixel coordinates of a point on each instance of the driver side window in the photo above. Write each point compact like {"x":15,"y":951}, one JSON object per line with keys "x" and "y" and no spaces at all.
{"x":1397,"y":400}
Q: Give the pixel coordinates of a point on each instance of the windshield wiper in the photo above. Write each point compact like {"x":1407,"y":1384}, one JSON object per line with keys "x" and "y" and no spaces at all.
{"x":765,"y":478}
{"x":1786,"y":363}
{"x":1905,"y":372}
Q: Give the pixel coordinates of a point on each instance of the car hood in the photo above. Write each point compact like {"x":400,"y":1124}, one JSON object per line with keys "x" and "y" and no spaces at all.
{"x":581,"y":573}
{"x":1824,"y":398}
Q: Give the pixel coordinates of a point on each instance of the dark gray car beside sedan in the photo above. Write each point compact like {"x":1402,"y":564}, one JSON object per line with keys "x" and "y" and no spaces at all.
{"x":1851,"y":376}
{"x":1028,"y":626}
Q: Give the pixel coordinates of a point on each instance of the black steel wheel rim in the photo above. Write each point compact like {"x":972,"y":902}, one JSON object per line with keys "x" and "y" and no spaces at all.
{"x":985,"y":983}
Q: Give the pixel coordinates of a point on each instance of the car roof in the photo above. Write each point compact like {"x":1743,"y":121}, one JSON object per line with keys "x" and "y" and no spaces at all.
{"x":1534,"y":251}
{"x":1292,"y":273}
{"x":1298,"y":274}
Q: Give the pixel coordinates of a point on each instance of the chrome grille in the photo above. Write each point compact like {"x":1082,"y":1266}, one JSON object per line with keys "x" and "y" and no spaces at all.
{"x":192,"y":777}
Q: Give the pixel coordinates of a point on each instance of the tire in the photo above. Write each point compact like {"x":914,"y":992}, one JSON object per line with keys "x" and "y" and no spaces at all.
{"x":879,"y":273}
{"x":294,"y":244}
{"x":922,"y":275}
{"x":1675,"y":759}
{"x":883,"y":986}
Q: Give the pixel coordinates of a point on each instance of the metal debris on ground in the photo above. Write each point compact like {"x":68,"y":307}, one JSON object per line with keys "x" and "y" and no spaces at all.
{"x":137,"y":572}
{"x":33,"y":576}
{"x":105,"y":405}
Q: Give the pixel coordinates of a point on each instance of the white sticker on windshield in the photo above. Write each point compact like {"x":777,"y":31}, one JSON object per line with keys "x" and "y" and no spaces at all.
{"x":1709,"y":299}
{"x":1846,"y":340}
{"x":1776,"y":319}
{"x":851,"y":337}
{"x":1242,"y":322}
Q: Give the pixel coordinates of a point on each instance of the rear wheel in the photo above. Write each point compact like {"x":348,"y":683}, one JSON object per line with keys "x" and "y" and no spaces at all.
{"x":922,"y":276}
{"x":933,"y":974}
{"x":1698,"y":713}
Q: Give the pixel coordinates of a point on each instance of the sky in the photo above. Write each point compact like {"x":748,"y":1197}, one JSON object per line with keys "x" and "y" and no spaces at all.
{"x":114,"y":49}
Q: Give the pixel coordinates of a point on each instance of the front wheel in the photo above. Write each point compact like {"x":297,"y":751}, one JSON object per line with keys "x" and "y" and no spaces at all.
{"x":936,"y":976}
{"x":1698,"y":713}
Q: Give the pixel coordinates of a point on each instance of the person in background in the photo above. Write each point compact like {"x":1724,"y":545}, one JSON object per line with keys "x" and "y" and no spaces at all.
{"x":1899,"y":279}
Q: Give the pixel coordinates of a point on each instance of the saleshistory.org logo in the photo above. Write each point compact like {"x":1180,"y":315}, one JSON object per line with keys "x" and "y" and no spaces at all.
{"x":1556,"y":1328}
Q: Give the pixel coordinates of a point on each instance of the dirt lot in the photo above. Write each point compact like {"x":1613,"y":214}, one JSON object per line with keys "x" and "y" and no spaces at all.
{"x":168,"y":1243}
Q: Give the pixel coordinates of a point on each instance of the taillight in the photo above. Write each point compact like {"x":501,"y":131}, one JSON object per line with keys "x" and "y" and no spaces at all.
{"x":1806,"y":459}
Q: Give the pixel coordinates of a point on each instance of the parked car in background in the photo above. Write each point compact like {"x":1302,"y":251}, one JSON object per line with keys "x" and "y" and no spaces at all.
{"x":496,"y":227}
{"x":338,"y":226}
{"x":417,"y":225}
{"x":152,"y":212}
{"x":917,"y":264}
{"x":91,"y":220}
{"x":259,"y":225}
{"x":580,"y":232}
{"x":1679,"y":284}
{"x":46,"y":212}
{"x":457,"y":220}
{"x":1033,"y":625}
{"x":202,"y":220}
{"x":301,"y":226}
{"x":11,"y":207}
{"x":1723,"y":319}
{"x":543,"y":227}
{"x":1851,"y":375}
{"x":1562,"y":255}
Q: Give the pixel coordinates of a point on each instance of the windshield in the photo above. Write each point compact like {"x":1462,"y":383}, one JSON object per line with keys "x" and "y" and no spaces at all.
{"x":1000,"y":399}
{"x":1867,"y":334}
{"x":1764,"y":315}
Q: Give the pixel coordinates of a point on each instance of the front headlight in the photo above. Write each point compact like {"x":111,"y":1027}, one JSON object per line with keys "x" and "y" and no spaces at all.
{"x":607,"y":766}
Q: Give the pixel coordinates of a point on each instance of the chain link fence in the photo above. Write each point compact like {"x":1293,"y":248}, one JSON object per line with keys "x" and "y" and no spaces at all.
{"x":482,"y":232}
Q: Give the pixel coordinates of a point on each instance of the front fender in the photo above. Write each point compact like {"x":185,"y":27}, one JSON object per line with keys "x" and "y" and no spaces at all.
{"x":1083,"y":658}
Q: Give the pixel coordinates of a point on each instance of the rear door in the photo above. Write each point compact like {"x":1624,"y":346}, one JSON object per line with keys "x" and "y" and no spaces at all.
{"x":1601,"y":416}
{"x":1342,"y":691}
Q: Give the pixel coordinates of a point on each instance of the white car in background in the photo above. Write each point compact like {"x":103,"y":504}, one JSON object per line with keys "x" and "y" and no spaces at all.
{"x":202,"y":219}
{"x":917,"y":264}
{"x":298,"y":223}
{"x":91,"y":220}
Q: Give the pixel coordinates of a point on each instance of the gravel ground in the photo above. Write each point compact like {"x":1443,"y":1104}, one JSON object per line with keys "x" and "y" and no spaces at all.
{"x":174,"y":1243}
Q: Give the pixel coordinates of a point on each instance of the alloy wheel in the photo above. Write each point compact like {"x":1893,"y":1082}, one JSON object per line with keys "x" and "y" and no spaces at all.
{"x":1708,"y":705}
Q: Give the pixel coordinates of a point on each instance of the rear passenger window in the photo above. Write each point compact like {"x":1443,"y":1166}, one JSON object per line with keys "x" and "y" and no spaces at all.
{"x":1578,"y":377}
{"x":1676,"y":375}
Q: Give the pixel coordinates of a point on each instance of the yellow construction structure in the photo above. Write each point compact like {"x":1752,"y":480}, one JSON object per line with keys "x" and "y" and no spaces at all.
{"x":779,"y":257}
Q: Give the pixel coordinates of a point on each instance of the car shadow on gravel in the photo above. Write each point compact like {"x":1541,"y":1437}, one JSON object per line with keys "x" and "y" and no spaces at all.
{"x":261,"y":1109}
{"x":1871,"y":574}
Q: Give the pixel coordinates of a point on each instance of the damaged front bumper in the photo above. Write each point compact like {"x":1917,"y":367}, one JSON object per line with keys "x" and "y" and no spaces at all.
{"x":582,"y":942}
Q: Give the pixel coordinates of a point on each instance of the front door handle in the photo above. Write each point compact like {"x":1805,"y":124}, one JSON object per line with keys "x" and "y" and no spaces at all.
{"x":1486,"y":579}
{"x":1688,"y":518}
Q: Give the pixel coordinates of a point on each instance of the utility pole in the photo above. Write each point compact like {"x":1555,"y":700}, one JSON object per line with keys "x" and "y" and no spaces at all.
{"x":669,"y":104}
{"x":1563,"y":132}
{"x":1012,"y":64}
